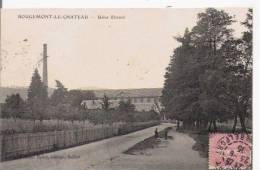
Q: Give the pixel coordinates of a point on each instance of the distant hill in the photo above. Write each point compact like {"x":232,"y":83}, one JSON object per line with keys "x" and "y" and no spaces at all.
{"x":142,"y":92}
{"x":91,"y":88}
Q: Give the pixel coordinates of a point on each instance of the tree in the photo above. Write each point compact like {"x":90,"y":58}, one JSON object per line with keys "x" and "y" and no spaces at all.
{"x":181,"y":87}
{"x":59,"y":95}
{"x":75,"y":97}
{"x":212,"y":29}
{"x":238,"y":54}
{"x":210,"y":33}
{"x":158,"y":109}
{"x":14,"y":107}
{"x":198,"y":76}
{"x":105,"y":103}
{"x":126,"y":106}
{"x":37,"y":97}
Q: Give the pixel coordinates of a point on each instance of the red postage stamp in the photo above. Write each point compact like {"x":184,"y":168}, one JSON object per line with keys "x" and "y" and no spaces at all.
{"x":230,"y":151}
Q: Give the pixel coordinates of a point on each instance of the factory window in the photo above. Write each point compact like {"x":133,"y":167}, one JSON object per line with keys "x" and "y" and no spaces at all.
{"x":148,"y":100}
{"x":141,"y":100}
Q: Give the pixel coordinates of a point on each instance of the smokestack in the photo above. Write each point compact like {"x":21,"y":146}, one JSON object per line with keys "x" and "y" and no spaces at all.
{"x":1,"y":68}
{"x":45,"y":66}
{"x":0,"y":71}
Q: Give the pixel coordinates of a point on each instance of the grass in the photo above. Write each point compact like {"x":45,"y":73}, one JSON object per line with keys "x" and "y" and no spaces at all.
{"x":10,"y":126}
{"x":148,"y":143}
{"x":201,"y":138}
{"x":201,"y":144}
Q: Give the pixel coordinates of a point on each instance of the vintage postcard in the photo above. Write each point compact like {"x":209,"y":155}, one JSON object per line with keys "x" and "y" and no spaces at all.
{"x":126,"y":89}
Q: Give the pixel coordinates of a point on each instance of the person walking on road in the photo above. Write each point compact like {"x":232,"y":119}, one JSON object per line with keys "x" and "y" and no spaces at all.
{"x":156,"y":133}
{"x":166,"y":134}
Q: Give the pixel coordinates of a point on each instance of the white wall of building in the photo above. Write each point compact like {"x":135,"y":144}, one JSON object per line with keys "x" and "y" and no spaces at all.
{"x":141,"y":103}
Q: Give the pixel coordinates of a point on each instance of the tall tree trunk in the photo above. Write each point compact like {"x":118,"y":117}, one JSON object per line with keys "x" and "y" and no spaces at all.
{"x":214,"y":46}
{"x":205,"y":123}
{"x":186,"y":124}
{"x":198,"y":124}
{"x":242,"y":122}
{"x":215,"y":125}
{"x":210,"y":123}
{"x":191,"y":124}
{"x":235,"y":124}
{"x":178,"y":124}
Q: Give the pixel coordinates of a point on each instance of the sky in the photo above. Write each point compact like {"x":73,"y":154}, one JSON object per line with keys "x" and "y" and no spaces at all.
{"x":132,"y":52}
{"x":125,"y":3}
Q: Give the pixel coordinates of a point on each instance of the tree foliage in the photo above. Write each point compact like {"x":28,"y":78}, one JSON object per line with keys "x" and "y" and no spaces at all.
{"x":13,"y":107}
{"x":59,"y":95}
{"x":37,"y":97}
{"x":105,"y":103}
{"x":126,"y":106}
{"x":209,"y":77}
{"x":75,"y":97}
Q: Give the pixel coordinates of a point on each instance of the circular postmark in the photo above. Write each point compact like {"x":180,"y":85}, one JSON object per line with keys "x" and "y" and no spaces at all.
{"x":230,"y":151}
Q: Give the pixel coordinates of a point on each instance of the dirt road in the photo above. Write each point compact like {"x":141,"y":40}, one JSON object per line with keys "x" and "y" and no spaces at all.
{"x":171,"y":154}
{"x":176,"y":154}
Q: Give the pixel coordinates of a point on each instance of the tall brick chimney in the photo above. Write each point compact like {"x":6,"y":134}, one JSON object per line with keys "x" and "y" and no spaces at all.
{"x":45,"y":66}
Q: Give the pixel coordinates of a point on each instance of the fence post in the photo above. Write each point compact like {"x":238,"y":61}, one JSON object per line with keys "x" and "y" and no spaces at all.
{"x":28,"y":144}
{"x":2,"y":151}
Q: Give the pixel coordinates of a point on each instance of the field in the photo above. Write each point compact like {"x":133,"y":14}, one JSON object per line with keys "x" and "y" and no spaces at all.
{"x":11,"y":126}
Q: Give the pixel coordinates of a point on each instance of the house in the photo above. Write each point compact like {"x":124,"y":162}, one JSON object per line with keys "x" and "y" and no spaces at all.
{"x":143,"y":99}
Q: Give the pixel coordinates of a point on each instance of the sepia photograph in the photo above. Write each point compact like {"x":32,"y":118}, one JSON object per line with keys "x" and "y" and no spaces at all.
{"x":126,"y":89}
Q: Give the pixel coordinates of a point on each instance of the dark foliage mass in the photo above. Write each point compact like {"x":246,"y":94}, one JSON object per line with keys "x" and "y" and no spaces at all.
{"x":66,"y":104}
{"x":63,"y":104}
{"x":14,"y":107}
{"x":209,"y":77}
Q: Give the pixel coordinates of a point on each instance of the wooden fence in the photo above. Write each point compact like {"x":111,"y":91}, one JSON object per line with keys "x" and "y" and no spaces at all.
{"x":26,"y":144}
